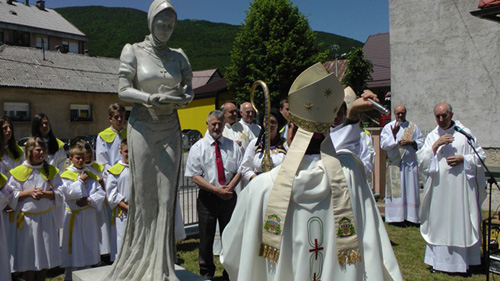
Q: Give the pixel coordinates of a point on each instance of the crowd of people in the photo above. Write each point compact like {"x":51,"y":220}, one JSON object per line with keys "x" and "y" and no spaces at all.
{"x":233,"y":196}
{"x":41,"y":193}
{"x":59,"y":211}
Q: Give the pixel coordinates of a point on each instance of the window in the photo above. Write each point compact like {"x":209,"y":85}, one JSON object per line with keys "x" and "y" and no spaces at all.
{"x":17,"y":111}
{"x":2,"y":40}
{"x":21,"y":38}
{"x":42,"y":42}
{"x":71,"y":47}
{"x":80,"y":112}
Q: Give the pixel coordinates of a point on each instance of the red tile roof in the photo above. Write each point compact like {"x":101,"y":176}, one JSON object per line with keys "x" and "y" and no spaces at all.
{"x":340,"y":68}
{"x":377,"y":50}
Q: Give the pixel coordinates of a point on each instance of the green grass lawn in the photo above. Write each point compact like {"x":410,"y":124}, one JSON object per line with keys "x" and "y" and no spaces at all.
{"x":408,"y":246}
{"x":407,"y":243}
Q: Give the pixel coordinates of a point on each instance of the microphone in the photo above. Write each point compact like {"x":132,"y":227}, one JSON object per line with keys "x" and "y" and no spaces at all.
{"x":460,"y":130}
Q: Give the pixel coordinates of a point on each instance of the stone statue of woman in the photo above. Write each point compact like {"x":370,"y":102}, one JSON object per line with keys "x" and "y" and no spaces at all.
{"x":157,"y":79}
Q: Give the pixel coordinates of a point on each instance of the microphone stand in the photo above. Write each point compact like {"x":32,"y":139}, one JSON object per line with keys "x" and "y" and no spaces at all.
{"x":491,"y":181}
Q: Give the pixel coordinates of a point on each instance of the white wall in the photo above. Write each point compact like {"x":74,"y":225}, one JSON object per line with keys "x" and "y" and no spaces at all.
{"x":441,"y":53}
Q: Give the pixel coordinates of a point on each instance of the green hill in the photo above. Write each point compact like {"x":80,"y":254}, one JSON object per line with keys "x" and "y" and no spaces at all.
{"x":207,"y":44}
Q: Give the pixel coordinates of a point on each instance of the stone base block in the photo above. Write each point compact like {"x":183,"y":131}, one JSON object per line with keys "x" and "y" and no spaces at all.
{"x":97,"y":274}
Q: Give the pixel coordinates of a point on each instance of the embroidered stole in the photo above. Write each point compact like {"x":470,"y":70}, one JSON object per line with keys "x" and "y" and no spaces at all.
{"x":279,"y":200}
{"x":393,"y":175}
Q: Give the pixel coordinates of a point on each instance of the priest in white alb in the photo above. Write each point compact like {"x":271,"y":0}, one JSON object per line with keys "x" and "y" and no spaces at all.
{"x":454,"y":180}
{"x":313,"y":217}
{"x":401,"y":139}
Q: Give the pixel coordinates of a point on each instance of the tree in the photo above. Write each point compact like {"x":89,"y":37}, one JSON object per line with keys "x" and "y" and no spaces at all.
{"x":275,"y":44}
{"x":358,"y":71}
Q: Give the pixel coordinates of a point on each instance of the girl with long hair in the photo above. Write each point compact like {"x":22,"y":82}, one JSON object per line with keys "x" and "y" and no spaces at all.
{"x":56,"y":155}
{"x":37,"y":199}
{"x":11,"y":154}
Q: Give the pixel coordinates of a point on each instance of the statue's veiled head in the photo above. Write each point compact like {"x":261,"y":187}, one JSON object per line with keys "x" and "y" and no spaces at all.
{"x":161,"y":21}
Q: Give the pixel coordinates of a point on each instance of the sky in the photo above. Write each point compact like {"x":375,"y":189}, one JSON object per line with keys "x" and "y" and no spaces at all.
{"x":356,"y":19}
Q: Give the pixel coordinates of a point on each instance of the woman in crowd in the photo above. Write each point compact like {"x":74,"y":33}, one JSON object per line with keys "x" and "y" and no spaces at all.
{"x":251,"y":165}
{"x":36,"y":196}
{"x":4,"y":242}
{"x":11,"y":154}
{"x":56,"y":156}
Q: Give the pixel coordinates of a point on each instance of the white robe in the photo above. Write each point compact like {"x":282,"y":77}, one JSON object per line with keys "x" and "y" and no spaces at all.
{"x":251,"y":164}
{"x":405,"y":207}
{"x":345,"y":137}
{"x":239,"y":132}
{"x":367,"y":155}
{"x":117,"y":190}
{"x":106,"y":153}
{"x":4,"y":246}
{"x":254,"y":128}
{"x":58,"y":159}
{"x":311,"y":201}
{"x":7,"y":164}
{"x":37,"y":242}
{"x":86,"y":231}
{"x":450,"y":212}
{"x":103,"y":217}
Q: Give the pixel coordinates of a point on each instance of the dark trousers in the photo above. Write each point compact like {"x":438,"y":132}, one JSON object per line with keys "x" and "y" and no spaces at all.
{"x":210,"y":210}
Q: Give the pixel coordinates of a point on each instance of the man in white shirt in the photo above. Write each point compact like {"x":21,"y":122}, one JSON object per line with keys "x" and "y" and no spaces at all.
{"x":454,"y":190}
{"x":213,"y":164}
{"x":234,"y":130}
{"x":401,"y":139}
{"x":247,"y":118}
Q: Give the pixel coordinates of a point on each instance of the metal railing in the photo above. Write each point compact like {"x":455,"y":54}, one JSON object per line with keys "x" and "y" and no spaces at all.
{"x":187,"y":194}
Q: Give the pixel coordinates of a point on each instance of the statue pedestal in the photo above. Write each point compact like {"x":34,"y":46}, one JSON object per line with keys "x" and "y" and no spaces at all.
{"x":97,"y":274}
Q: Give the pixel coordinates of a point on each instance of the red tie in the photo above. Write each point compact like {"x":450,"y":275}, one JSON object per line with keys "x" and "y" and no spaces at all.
{"x":220,"y":166}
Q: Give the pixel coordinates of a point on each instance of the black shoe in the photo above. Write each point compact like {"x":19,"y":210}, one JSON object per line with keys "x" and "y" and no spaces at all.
{"x":432,"y":270}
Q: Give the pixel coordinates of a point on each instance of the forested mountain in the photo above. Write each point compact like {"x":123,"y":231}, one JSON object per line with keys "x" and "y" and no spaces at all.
{"x":207,"y":44}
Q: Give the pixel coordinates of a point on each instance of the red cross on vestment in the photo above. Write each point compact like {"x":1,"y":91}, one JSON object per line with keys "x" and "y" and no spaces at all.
{"x":316,"y":249}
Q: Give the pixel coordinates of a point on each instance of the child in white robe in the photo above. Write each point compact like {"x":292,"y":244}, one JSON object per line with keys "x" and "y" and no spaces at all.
{"x":36,"y":195}
{"x":104,"y":215}
{"x":109,"y":140}
{"x":4,"y":246}
{"x":118,"y":191}
{"x":83,"y":198}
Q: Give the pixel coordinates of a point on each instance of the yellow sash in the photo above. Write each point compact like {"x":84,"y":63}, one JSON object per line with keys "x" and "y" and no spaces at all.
{"x":20,"y":216}
{"x":72,"y":224}
{"x":117,"y":212}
